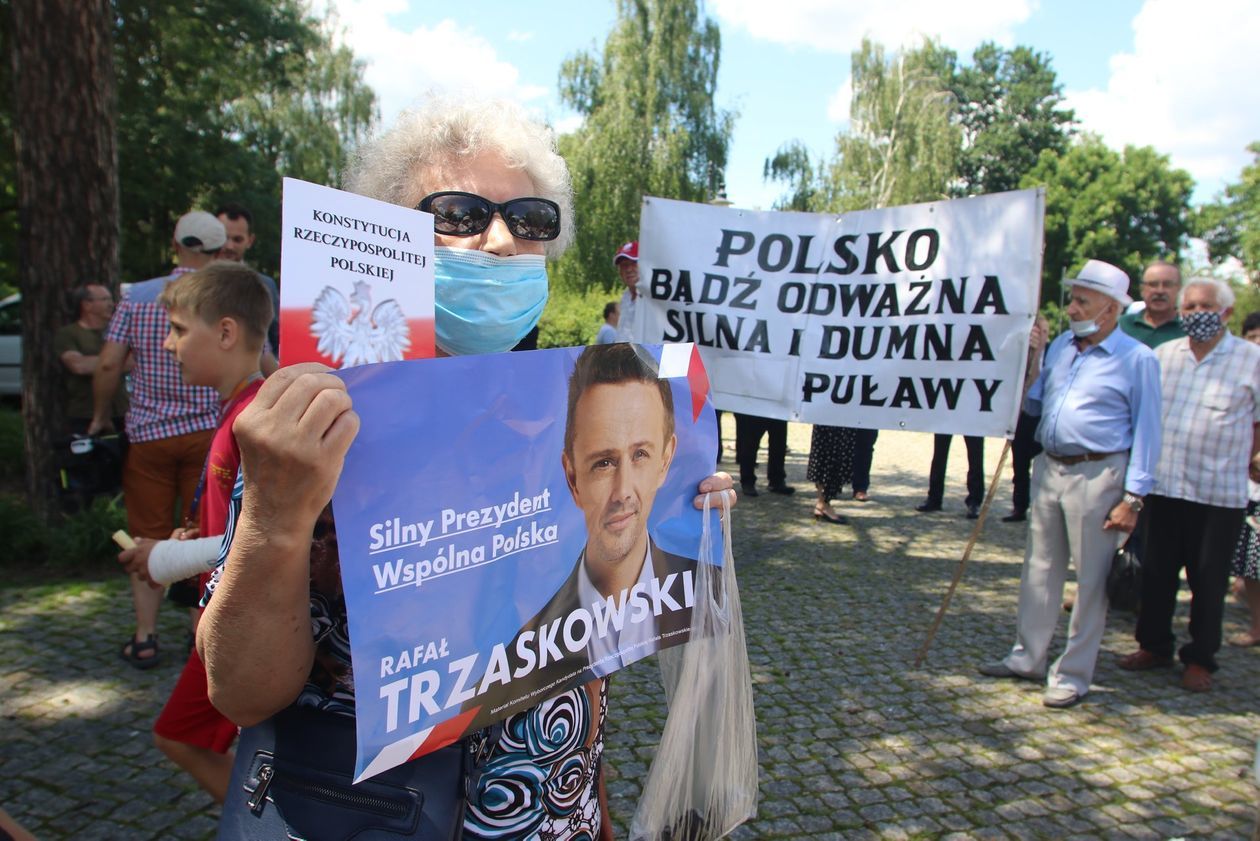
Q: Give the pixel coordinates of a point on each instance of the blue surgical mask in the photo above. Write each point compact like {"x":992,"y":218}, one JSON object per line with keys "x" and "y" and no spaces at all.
{"x":485,"y":303}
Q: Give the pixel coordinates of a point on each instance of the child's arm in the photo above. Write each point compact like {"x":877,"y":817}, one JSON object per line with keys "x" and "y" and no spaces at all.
{"x":161,"y":562}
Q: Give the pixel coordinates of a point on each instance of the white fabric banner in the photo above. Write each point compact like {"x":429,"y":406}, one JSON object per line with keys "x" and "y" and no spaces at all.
{"x":913,"y":317}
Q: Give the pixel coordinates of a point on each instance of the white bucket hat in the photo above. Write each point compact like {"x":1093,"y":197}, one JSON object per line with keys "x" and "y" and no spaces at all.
{"x":1105,"y":278}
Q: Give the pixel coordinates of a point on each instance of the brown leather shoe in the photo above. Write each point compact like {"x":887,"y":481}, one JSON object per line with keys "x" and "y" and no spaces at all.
{"x":1196,"y":678}
{"x":1141,"y":660}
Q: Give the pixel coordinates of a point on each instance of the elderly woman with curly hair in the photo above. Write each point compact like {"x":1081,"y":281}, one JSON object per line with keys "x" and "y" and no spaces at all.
{"x":501,"y":201}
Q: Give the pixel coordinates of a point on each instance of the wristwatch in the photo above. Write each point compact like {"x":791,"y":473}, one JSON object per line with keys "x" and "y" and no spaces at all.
{"x":1133,"y":501}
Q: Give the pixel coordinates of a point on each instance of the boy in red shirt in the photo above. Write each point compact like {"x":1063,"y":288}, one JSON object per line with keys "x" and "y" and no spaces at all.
{"x":218,"y":317}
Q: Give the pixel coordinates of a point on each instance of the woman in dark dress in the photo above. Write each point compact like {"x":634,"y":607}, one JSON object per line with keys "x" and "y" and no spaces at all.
{"x":830,"y":468}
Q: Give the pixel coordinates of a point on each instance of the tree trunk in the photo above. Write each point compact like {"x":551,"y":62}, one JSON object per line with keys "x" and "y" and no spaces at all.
{"x":67,"y":188}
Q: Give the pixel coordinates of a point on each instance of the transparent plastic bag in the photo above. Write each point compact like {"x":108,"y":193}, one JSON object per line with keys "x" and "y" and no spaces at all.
{"x":703,"y":780}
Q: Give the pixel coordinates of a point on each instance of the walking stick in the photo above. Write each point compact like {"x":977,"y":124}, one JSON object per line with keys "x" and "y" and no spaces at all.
{"x":975,"y":535}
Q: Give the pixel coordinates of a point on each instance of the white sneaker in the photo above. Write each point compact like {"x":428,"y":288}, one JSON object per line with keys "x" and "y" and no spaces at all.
{"x":1060,"y":697}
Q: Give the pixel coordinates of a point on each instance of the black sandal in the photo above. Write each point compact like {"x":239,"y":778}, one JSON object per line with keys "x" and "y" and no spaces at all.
{"x":826,"y":517}
{"x":131,"y":649}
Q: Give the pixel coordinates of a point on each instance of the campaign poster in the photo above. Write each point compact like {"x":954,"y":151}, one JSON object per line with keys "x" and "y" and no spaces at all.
{"x":914,"y":317}
{"x":356,"y":279}
{"x":513,"y":525}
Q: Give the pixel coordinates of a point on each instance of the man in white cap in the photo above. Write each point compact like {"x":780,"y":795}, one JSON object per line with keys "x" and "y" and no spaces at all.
{"x":169,"y":424}
{"x":1211,"y":431}
{"x":626,"y":261}
{"x":1098,"y":397}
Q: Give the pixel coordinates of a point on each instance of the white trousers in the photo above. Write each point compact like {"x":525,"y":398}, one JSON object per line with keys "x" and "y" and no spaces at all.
{"x":1069,"y":506}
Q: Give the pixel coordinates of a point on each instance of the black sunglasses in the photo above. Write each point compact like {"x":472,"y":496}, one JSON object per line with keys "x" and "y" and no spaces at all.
{"x":459,"y":214}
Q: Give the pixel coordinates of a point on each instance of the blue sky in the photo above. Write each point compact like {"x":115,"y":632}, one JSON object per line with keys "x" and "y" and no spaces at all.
{"x":1149,"y":72}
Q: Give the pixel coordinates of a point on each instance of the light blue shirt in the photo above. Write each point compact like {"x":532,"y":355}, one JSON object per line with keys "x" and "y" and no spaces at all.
{"x":1104,"y":400}
{"x":607,"y":334}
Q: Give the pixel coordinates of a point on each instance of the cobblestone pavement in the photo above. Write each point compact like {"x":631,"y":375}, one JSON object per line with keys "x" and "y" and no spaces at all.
{"x":855,"y":742}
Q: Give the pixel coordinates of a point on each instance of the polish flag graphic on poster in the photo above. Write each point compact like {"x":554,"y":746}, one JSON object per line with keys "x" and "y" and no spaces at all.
{"x":356,"y":279}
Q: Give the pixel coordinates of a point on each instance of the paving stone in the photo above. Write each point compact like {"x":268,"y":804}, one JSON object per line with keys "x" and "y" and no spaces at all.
{"x":877,"y":813}
{"x":855,"y":742}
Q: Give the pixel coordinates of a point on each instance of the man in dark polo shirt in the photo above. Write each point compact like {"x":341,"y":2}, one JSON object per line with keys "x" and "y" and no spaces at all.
{"x":1158,"y":322}
{"x":78,"y":346}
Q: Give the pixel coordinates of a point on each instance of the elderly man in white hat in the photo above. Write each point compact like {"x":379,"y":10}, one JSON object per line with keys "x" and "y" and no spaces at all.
{"x":1098,"y":398}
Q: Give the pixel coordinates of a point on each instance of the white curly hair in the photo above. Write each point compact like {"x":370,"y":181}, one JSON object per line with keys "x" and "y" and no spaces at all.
{"x":444,"y":130}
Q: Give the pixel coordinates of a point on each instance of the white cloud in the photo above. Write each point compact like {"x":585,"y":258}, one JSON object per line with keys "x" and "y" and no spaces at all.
{"x":518,"y":36}
{"x":839,"y":103}
{"x":569,"y":124}
{"x":1188,"y":88}
{"x":402,"y":65}
{"x":840,"y":25}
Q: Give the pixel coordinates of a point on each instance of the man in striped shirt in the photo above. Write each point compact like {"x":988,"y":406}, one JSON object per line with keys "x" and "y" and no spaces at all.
{"x":169,"y":424}
{"x":1211,"y":434}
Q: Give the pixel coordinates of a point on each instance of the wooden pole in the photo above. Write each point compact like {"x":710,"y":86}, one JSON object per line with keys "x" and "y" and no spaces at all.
{"x":975,"y":535}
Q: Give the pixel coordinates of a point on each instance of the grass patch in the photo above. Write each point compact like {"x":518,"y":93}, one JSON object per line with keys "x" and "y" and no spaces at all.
{"x":573,"y":317}
{"x":75,"y":544}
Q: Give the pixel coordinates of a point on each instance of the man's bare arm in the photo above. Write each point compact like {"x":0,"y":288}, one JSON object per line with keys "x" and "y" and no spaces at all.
{"x":105,"y":382}
{"x":78,"y":363}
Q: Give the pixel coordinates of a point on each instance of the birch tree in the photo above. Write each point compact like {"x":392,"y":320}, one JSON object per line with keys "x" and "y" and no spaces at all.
{"x":650,"y":127}
{"x":902,"y":145}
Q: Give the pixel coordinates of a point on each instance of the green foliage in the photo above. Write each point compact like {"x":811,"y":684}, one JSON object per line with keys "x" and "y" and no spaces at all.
{"x":1231,"y":223}
{"x":1125,"y":208}
{"x":792,"y":166}
{"x":216,"y":101}
{"x":1009,"y":111}
{"x":924,"y":126}
{"x":902,"y":146}
{"x":650,"y":128}
{"x":573,"y":316}
{"x":1246,"y":301}
{"x":1056,"y":315}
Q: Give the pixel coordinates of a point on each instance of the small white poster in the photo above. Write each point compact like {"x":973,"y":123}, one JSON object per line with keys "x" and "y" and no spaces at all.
{"x":356,"y":279}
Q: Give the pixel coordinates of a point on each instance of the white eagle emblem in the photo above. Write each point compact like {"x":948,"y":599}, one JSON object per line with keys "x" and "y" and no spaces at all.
{"x":348,"y":335}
